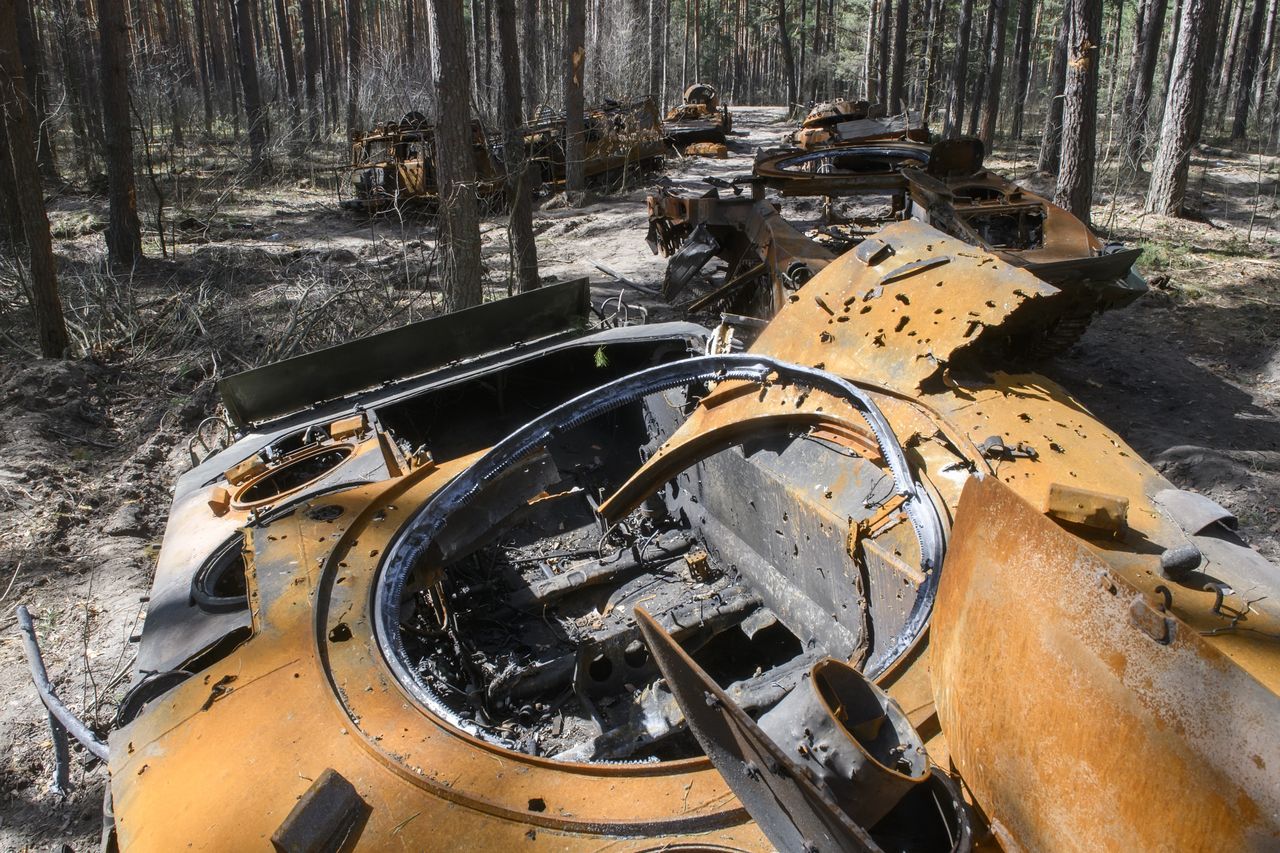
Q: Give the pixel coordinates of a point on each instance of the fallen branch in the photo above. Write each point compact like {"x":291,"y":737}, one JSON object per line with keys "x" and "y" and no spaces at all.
{"x":643,"y":288}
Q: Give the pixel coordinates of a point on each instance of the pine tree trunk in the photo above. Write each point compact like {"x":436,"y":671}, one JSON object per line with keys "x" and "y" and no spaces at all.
{"x":20,"y":134}
{"x":286,"y":52}
{"x":922,"y":27}
{"x":788,"y":57}
{"x":1080,"y":108}
{"x":533,"y":69}
{"x":13,"y":234}
{"x":459,"y":223}
{"x":524,"y":252}
{"x":1173,"y":45}
{"x":984,"y":67}
{"x":310,"y":65}
{"x":653,"y":58}
{"x":1248,"y":67}
{"x":1021,"y":66}
{"x":205,"y":65}
{"x":74,"y":73}
{"x":1051,"y":138}
{"x":936,"y":29}
{"x":882,"y":52}
{"x":427,"y":64}
{"x":1228,"y":50}
{"x":575,"y":66}
{"x":1138,"y":101}
{"x":697,"y":40}
{"x":33,"y":72}
{"x":684,"y":55}
{"x":354,"y":70}
{"x":255,"y":109}
{"x":325,"y":21}
{"x":898,"y":86}
{"x":1183,"y":110}
{"x":174,"y":74}
{"x":959,"y":73}
{"x":477,"y":56}
{"x":1264,"y":58}
{"x":488,"y":56}
{"x":89,"y":61}
{"x":409,"y":58}
{"x":809,"y":68}
{"x":869,"y":55}
{"x":666,"y":44}
{"x":991,"y":109}
{"x":124,"y":232}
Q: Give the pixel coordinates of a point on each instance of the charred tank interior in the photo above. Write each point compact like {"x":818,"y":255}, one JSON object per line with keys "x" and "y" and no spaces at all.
{"x":527,"y":637}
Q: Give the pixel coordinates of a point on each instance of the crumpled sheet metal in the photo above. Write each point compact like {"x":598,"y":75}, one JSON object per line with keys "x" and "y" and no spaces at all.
{"x":310,"y":691}
{"x":944,"y":426}
{"x":1081,"y":715}
{"x":898,"y":320}
{"x":1074,"y":449}
{"x":1070,"y":250}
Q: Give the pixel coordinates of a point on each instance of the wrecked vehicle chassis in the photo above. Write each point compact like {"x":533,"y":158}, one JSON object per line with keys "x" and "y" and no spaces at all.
{"x":850,"y":488}
{"x":944,"y":185}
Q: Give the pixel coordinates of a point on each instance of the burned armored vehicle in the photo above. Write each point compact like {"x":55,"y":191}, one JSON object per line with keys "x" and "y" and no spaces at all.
{"x":700,"y":123}
{"x":511,"y":578}
{"x":842,"y":122}
{"x":393,"y":165}
{"x":945,"y":185}
{"x":618,"y":137}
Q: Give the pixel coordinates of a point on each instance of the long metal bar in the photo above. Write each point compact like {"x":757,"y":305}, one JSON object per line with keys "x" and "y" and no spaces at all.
{"x":61,"y":720}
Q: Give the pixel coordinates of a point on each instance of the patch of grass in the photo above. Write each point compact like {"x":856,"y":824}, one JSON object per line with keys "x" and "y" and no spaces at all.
{"x":1162,"y":255}
{"x":73,"y":224}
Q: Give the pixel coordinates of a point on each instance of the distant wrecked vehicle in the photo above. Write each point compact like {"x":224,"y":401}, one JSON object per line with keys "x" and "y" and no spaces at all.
{"x":945,"y":185}
{"x":505,"y":578}
{"x":393,"y":165}
{"x":618,"y":137}
{"x":841,"y":122}
{"x":700,"y":124}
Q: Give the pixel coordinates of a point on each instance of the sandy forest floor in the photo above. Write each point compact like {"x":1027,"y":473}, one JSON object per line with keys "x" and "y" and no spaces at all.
{"x":1189,"y":374}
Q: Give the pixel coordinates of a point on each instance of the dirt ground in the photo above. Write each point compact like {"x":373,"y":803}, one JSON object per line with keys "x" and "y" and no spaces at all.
{"x":1189,"y":374}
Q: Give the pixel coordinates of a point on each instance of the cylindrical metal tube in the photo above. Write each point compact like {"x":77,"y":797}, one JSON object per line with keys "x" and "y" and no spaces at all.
{"x":855,"y":739}
{"x":59,"y":714}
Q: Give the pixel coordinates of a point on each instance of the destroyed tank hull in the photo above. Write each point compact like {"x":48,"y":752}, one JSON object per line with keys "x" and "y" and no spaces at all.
{"x":943,"y":185}
{"x":502,"y":578}
{"x":700,"y":120}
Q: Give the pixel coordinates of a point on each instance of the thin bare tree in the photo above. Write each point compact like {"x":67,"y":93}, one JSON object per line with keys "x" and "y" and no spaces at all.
{"x":124,"y":231}
{"x":1248,"y":68}
{"x":256,"y":111}
{"x":459,"y":223}
{"x":899,"y":79}
{"x":1080,"y":108}
{"x":1051,"y":138}
{"x":788,"y":55}
{"x":1021,"y":66}
{"x":1184,"y":107}
{"x":959,"y":72}
{"x":575,"y":66}
{"x":311,"y":63}
{"x":524,"y":251}
{"x":355,"y":52}
{"x":991,"y":98}
{"x":1142,"y":75}
{"x":20,"y":135}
